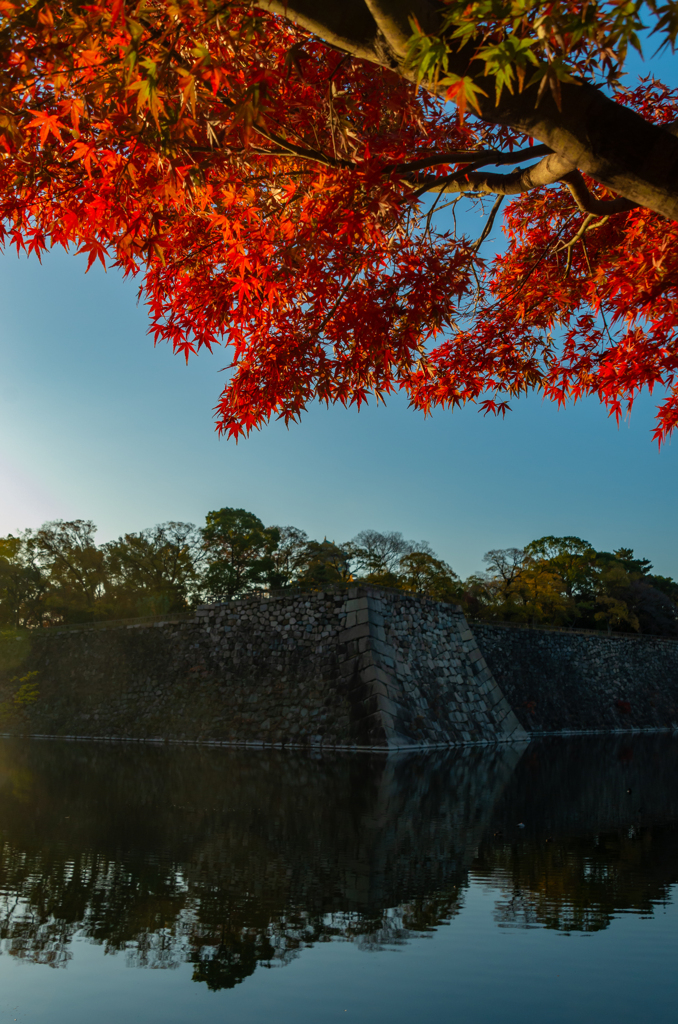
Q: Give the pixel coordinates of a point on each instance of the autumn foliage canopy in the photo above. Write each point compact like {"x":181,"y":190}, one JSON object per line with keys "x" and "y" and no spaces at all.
{"x":299,"y":203}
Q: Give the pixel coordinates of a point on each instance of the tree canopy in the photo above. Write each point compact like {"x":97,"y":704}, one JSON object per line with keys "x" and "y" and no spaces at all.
{"x":58,"y":574}
{"x":285,"y":178}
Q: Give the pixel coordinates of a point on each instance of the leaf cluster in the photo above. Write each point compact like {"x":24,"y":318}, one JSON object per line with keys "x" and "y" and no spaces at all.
{"x":564,"y":581}
{"x":265,"y":191}
{"x":58,"y":574}
{"x":517,"y":43}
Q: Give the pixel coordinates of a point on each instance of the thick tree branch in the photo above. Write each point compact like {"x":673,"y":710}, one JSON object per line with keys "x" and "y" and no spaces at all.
{"x":346,"y":24}
{"x":609,"y":142}
{"x":548,"y":171}
{"x":392,"y":18}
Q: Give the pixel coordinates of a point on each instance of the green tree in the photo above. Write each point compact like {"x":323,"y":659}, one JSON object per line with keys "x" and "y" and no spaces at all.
{"x":290,"y":557}
{"x":73,"y":567}
{"x":538,"y":596}
{"x":21,"y":583}
{"x":326,"y":565}
{"x":636,"y":566}
{"x":238,"y":552}
{"x":627,"y":597}
{"x":521,"y":585}
{"x":572,"y":558}
{"x":378,"y":555}
{"x":153,"y":571}
{"x":423,"y":573}
{"x":507,"y":564}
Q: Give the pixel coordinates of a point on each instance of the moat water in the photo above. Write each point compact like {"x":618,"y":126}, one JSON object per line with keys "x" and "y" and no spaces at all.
{"x":170,"y":885}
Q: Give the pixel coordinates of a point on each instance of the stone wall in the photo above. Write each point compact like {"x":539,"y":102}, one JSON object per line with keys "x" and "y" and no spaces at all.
{"x":566,"y":681}
{"x":360,"y":668}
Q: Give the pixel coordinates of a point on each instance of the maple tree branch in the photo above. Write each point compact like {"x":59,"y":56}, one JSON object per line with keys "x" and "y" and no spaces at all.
{"x":589,"y":131}
{"x":465,"y":156}
{"x":588,"y":224}
{"x":588,"y":203}
{"x":346,"y":24}
{"x":489,"y":223}
{"x":299,"y":151}
{"x":393,"y":19}
{"x":547,"y":172}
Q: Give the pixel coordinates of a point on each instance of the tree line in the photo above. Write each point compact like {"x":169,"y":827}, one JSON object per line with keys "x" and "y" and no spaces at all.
{"x":59,"y":574}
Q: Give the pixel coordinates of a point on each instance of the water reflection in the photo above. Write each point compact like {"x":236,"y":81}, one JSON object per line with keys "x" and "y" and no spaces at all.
{"x":232,"y":859}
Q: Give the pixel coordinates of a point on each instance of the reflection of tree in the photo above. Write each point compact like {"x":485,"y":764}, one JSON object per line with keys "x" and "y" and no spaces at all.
{"x":581,"y":884}
{"x":600,"y":835}
{"x":229,"y":860}
{"x":230,"y":952}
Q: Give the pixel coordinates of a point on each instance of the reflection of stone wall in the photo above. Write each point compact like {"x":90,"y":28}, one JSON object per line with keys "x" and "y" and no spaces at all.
{"x":231,"y":858}
{"x":360,"y":668}
{"x":572,"y":681}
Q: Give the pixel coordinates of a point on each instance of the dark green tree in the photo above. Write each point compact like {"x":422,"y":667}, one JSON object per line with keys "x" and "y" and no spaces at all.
{"x":290,"y":557}
{"x":21,"y":583}
{"x":326,"y":565}
{"x":154,"y":571}
{"x":238,"y":552}
{"x":73,"y":568}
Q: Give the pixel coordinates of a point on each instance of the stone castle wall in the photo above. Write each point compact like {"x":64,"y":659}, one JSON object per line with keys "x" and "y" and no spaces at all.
{"x":566,"y":681}
{"x":360,"y":668}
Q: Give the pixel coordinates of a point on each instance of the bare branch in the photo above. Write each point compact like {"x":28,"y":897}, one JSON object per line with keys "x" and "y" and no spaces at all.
{"x":588,"y":203}
{"x":490,"y":221}
{"x":465,"y":156}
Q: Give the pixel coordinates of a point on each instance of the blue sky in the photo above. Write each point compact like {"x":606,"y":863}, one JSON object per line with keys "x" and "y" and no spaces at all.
{"x":97,"y":424}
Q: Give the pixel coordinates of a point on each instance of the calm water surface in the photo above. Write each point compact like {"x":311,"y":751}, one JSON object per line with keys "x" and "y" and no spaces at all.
{"x":169,"y":885}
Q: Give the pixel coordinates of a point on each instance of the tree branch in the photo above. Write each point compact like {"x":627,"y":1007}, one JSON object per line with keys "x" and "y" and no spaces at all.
{"x":299,"y":151}
{"x":590,"y":132}
{"x":489,"y":223}
{"x":465,"y":156}
{"x":588,"y":203}
{"x":548,"y":171}
{"x":392,"y":18}
{"x":346,"y":24}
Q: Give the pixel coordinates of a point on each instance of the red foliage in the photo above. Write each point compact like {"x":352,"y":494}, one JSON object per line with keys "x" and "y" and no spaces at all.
{"x":575,"y":312}
{"x":252,"y":177}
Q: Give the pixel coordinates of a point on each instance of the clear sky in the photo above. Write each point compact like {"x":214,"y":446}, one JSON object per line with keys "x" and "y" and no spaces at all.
{"x":97,"y":424}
